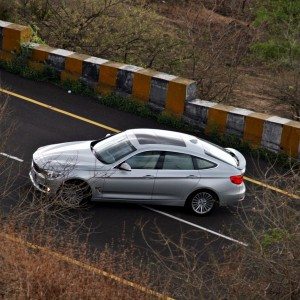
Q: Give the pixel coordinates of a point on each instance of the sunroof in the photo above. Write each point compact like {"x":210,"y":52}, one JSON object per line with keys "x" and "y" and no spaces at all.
{"x":145,"y":139}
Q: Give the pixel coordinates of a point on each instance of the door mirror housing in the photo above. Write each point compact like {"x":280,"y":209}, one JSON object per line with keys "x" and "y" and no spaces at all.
{"x":124,"y":166}
{"x":108,"y":135}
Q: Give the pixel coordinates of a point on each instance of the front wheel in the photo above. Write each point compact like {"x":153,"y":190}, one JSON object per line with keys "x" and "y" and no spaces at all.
{"x":202,"y":203}
{"x":74,"y":194}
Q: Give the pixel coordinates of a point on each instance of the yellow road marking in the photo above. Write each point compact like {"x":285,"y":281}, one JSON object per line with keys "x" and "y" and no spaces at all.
{"x":116,"y":130}
{"x":273,"y":188}
{"x":85,"y":266}
{"x":61,"y":256}
{"x":58,"y":110}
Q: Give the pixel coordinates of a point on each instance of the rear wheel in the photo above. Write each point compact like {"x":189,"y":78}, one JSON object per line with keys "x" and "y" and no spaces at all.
{"x":202,"y":203}
{"x":74,"y":194}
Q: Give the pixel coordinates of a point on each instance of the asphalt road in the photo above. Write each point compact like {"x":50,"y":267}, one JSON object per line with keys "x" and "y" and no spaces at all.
{"x":35,"y":126}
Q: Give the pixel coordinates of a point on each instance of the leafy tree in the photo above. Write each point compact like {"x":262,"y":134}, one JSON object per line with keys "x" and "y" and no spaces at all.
{"x":280,"y":21}
{"x":121,"y":30}
{"x":6,"y":9}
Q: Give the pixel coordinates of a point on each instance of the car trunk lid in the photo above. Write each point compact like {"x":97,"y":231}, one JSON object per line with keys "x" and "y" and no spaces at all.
{"x":240,"y":160}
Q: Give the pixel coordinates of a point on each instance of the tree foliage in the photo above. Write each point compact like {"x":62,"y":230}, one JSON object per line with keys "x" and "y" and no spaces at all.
{"x":114,"y":29}
{"x":205,"y":40}
{"x":280,"y":20}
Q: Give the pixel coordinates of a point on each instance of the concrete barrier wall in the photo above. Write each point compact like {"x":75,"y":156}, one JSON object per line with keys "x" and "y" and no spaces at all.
{"x":161,"y":91}
{"x":261,"y":130}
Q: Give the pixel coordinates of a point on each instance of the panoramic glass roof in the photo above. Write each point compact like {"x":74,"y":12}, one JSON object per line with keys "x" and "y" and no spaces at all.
{"x":145,"y":139}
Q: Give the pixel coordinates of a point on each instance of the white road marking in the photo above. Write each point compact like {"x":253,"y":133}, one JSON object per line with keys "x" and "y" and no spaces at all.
{"x":12,"y":157}
{"x":196,"y":226}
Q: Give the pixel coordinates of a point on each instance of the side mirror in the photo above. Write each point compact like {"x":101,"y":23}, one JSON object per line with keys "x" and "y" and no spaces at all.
{"x":125,"y":167}
{"x":108,"y":135}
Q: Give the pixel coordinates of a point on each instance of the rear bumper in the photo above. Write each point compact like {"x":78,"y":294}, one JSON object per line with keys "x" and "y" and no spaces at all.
{"x":234,"y":196}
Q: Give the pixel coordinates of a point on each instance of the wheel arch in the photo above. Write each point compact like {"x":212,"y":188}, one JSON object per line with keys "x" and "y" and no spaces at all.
{"x":203,"y":189}
{"x":74,"y":180}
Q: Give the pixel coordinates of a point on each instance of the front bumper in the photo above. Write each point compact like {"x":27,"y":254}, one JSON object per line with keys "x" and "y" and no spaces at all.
{"x":42,"y":184}
{"x":37,"y":184}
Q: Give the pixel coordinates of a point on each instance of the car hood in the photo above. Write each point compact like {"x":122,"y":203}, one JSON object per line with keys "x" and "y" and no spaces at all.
{"x":73,"y":154}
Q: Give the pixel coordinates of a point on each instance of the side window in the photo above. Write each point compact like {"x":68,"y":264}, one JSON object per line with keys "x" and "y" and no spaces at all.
{"x":144,"y":160}
{"x":203,"y":163}
{"x":178,"y":161}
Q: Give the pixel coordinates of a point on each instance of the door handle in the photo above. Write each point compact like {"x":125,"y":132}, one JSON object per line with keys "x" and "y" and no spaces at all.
{"x":149,"y":176}
{"x":192,"y":176}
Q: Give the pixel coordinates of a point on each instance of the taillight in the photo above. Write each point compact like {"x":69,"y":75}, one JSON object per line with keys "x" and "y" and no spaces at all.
{"x":237,"y":179}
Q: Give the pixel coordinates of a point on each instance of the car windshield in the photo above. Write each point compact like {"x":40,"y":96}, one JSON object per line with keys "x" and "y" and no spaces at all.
{"x":114,"y":148}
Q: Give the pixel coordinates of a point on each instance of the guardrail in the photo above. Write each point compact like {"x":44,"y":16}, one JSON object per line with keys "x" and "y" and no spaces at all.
{"x":161,"y":91}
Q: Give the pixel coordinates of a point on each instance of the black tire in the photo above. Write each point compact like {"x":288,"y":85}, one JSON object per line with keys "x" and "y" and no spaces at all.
{"x":202,"y":202}
{"x":73,"y":194}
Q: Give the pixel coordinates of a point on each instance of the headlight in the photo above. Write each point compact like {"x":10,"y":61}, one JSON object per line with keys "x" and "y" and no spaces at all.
{"x":53,"y":174}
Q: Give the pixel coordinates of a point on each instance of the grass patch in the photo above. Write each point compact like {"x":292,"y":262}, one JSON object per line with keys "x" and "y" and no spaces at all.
{"x":126,"y":104}
{"x":19,"y":65}
{"x":273,"y":236}
{"x":77,"y":87}
{"x":63,"y":273}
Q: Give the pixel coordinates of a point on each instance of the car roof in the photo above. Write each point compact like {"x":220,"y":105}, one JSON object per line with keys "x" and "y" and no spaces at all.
{"x":165,"y":140}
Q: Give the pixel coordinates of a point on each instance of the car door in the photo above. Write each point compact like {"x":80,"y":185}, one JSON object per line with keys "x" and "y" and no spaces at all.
{"x":134,"y":185}
{"x":176,"y":179}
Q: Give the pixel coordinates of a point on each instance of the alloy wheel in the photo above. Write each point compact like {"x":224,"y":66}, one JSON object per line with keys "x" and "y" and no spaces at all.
{"x":202,"y":203}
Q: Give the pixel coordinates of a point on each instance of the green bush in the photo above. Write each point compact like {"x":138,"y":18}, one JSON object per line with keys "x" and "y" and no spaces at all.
{"x":272,"y":236}
{"x":7,"y":9}
{"x":280,"y":22}
{"x":174,"y":122}
{"x":276,"y":50}
{"x":78,"y":87}
{"x":126,"y":104}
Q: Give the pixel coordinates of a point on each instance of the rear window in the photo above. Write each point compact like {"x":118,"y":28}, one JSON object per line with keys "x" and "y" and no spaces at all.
{"x":218,"y":152}
{"x":202,"y":164}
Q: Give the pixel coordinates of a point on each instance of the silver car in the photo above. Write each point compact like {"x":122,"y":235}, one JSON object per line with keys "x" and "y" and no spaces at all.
{"x":142,"y":166}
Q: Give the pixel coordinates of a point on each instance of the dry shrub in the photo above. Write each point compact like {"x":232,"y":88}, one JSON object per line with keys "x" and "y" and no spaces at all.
{"x":268,"y":268}
{"x":6,"y":8}
{"x":30,"y":272}
{"x":37,"y":274}
{"x":205,"y":40}
{"x":121,"y":30}
{"x":190,"y":40}
{"x":214,"y":46}
{"x":6,"y":122}
{"x":34,"y":274}
{"x":7,"y":166}
{"x":234,"y":8}
{"x":286,"y":90}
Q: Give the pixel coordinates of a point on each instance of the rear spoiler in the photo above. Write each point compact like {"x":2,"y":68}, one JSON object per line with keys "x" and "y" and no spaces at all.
{"x":240,"y":159}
